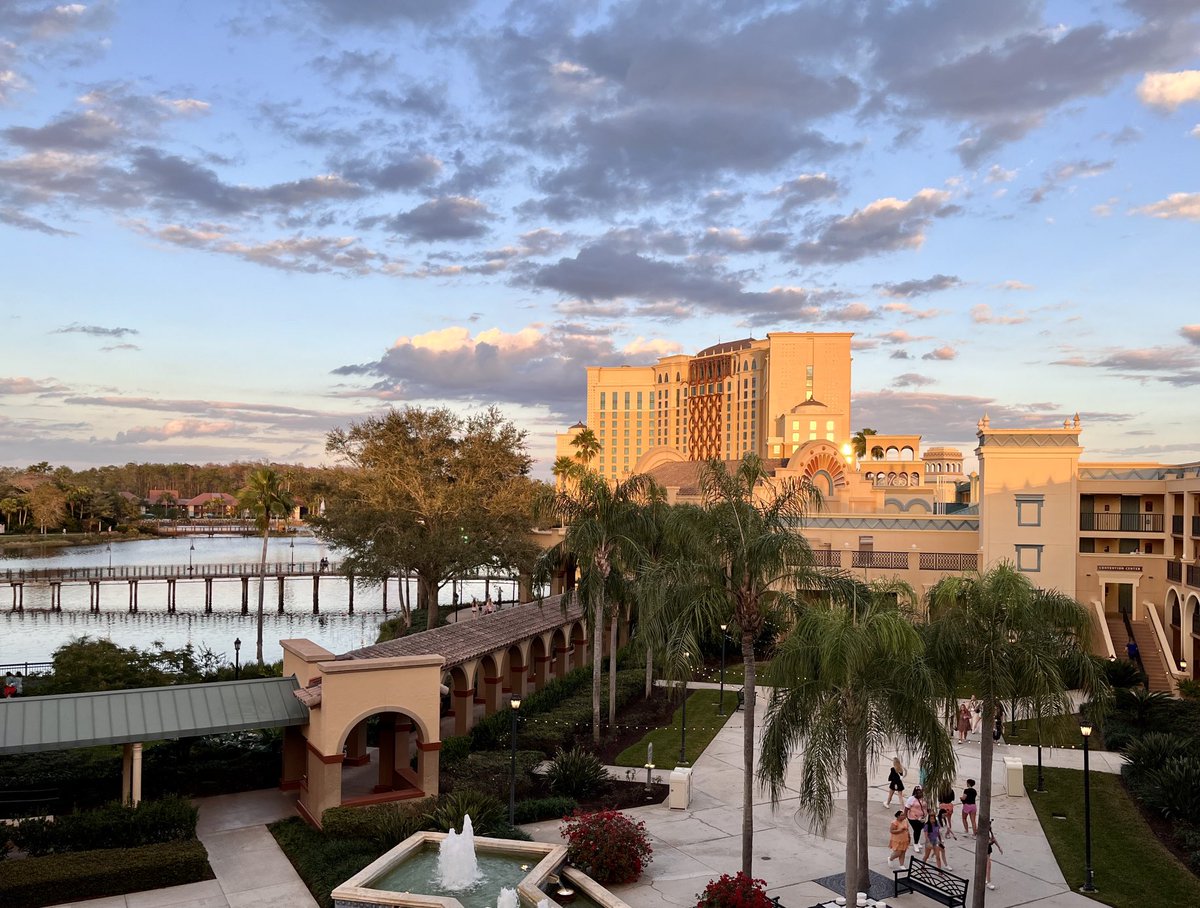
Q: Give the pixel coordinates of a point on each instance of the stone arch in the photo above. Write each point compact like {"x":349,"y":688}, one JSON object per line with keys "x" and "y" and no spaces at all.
{"x":1191,"y":641}
{"x":877,"y":453}
{"x":538,"y":662}
{"x":918,"y":504}
{"x":914,"y":479}
{"x":1173,"y":619}
{"x":518,"y":669}
{"x":491,"y":672}
{"x":462,"y":696}
{"x":891,"y":479}
{"x":906,"y":453}
{"x":401,"y":737}
{"x":579,"y":645}
{"x":560,"y":648}
{"x":892,"y":453}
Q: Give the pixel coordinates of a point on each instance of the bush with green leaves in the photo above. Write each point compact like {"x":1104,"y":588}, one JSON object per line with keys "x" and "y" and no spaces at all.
{"x":534,"y":810}
{"x":576,"y":773}
{"x":1173,"y":788}
{"x":490,"y":771}
{"x":454,"y":748}
{"x":488,"y":815}
{"x":383,"y":824}
{"x":607,"y":845}
{"x":112,"y":826}
{"x":1153,"y":750}
{"x":1189,"y":688}
{"x":1122,"y":674}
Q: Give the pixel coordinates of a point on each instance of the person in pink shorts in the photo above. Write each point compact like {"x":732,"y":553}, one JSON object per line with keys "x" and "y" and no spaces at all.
{"x":970,"y":807}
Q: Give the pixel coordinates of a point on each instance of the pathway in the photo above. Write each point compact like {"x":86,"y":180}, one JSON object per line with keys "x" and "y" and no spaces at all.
{"x":251,"y":871}
{"x":695,"y":845}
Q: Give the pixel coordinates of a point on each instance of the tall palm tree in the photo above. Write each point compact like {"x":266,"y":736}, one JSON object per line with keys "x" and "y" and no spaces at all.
{"x":565,"y":468}
{"x":850,"y":680}
{"x":264,"y":496}
{"x":586,"y":446}
{"x":859,"y":440}
{"x":743,"y":551}
{"x":602,"y":536}
{"x":1008,"y":641}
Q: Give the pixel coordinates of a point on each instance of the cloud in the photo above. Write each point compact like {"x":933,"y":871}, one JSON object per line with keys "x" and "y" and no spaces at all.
{"x":114,"y":347}
{"x":1174,"y":365}
{"x":24,"y":221}
{"x":95,"y":330}
{"x":178,"y":428}
{"x":1167,"y":91}
{"x":732,"y":240}
{"x":982,"y":314}
{"x":948,"y":416}
{"x":447,"y":218}
{"x":907,"y":310}
{"x":1178,"y":205}
{"x":655,"y":347}
{"x":997,"y":174}
{"x":943,"y":353}
{"x":909,"y":289}
{"x":1191,"y":333}
{"x":885,"y":225}
{"x":1012,"y":284}
{"x":394,"y":170}
{"x":370,"y":15}
{"x":802,"y":191}
{"x":900,"y":336}
{"x":1064,"y":173}
{"x":23,"y":385}
{"x":913,"y":380}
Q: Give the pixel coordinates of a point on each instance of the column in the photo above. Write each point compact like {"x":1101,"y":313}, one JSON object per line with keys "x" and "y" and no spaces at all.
{"x":293,"y":758}
{"x":387,"y":752}
{"x":356,"y":746}
{"x":427,"y":765}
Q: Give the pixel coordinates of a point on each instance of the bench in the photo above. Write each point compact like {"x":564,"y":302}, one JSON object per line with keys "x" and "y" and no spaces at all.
{"x":926,"y":879}
{"x":741,"y":698}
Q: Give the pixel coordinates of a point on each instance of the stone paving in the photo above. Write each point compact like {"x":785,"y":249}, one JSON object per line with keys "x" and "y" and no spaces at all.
{"x":698,"y":844}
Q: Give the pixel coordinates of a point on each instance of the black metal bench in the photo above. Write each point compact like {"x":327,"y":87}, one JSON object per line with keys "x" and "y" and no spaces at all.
{"x":925,"y":878}
{"x":741,"y":698}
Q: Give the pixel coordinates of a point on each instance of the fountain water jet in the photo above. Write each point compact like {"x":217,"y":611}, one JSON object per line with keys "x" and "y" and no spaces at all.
{"x":457,"y":865}
{"x":508,"y":899}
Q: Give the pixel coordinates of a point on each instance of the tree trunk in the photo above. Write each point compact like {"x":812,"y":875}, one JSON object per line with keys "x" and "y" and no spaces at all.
{"x":262,"y":588}
{"x":864,"y":866}
{"x":748,"y":756}
{"x":649,"y":672}
{"x":984,"y":816}
{"x":597,"y":634}
{"x":612,"y":665}
{"x":852,"y":815}
{"x":431,"y":600}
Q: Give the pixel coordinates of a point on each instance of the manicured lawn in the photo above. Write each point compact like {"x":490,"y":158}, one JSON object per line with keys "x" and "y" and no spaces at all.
{"x":703,"y":723}
{"x":735,"y":673}
{"x":1057,"y":731}
{"x":1132,"y":869}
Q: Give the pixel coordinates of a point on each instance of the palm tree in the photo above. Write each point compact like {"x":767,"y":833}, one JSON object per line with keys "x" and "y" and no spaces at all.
{"x":740,"y":552}
{"x":859,"y":440}
{"x":601,"y":535}
{"x":263,"y":496}
{"x":565,"y":468}
{"x":586,"y":446}
{"x":1008,"y":641}
{"x":849,"y":680}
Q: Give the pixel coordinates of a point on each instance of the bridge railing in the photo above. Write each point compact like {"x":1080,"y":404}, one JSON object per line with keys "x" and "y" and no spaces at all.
{"x":168,"y":571}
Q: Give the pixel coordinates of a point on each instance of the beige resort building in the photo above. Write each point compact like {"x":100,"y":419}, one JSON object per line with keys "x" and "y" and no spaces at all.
{"x":1122,"y":538}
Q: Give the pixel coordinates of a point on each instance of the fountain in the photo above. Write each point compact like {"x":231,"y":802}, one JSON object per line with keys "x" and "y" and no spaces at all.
{"x":508,"y":899}
{"x":458,"y":868}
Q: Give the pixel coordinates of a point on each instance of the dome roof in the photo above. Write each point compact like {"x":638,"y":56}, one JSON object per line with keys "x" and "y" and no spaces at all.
{"x":942,"y":453}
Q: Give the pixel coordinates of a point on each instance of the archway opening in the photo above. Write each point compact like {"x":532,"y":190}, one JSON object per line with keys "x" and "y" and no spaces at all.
{"x":386,"y":760}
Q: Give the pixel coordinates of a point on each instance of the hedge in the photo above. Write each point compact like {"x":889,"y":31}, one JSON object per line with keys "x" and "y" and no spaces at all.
{"x":112,"y":826}
{"x":59,"y":878}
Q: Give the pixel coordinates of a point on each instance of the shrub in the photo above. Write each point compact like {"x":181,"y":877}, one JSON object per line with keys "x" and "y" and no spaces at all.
{"x":576,"y":773}
{"x":323,"y":862}
{"x":1152,"y":750}
{"x":607,"y":845}
{"x":534,"y":810}
{"x":1173,"y":789}
{"x":738,"y":891}
{"x":490,"y":771}
{"x":454,"y":748}
{"x":1123,"y":674}
{"x":383,"y":824}
{"x":1189,"y":688}
{"x":111,"y":826}
{"x":488,"y":815}
{"x":1140,"y":707}
{"x":60,"y":878}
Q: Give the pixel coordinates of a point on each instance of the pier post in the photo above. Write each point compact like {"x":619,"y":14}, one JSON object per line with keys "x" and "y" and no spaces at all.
{"x":170,"y":596}
{"x":316,"y":594}
{"x":350,"y":581}
{"x":245,"y":595}
{"x":280,"y":579}
{"x":18,"y":591}
{"x":56,"y":597}
{"x":385,"y":595}
{"x":132,"y":596}
{"x":208,"y":595}
{"x":94,"y":597}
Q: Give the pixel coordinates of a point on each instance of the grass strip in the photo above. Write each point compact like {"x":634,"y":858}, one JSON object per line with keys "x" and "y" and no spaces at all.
{"x":1132,"y":869}
{"x":1061,"y":730}
{"x":702,"y":726}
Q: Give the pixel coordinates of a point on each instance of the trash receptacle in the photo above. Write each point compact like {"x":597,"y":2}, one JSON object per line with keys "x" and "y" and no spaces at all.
{"x":681,"y":789}
{"x":1014,"y":773}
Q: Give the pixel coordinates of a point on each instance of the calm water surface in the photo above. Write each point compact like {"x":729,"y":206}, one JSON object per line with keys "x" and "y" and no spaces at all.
{"x":32,"y":636}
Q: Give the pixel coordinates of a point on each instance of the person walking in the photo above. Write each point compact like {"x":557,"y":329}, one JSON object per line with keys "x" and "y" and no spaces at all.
{"x":976,"y":713}
{"x":895,"y":782}
{"x":916,"y":810}
{"x":946,"y":812}
{"x":964,"y":722}
{"x":970,"y":806}
{"x":992,"y":843}
{"x":899,"y":838}
{"x":933,"y":844}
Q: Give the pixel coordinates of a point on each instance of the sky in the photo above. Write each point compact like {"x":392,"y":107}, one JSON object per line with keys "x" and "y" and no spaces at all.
{"x":227,"y":228}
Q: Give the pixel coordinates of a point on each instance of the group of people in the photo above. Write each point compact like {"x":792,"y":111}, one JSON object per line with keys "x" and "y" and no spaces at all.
{"x":970,"y":718}
{"x":13,"y":686}
{"x":916,"y":818}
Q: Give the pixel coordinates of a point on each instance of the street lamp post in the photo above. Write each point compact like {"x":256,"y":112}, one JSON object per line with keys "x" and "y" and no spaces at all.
{"x":1041,"y":785}
{"x":292,"y":550}
{"x":1089,"y":883}
{"x":237,"y":658}
{"x":721,"y":699}
{"x":683,"y":717}
{"x":515,"y":703}
{"x":108,"y":548}
{"x":191,"y":549}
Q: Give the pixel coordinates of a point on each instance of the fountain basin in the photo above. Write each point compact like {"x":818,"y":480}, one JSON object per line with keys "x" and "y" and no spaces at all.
{"x":366,"y":888}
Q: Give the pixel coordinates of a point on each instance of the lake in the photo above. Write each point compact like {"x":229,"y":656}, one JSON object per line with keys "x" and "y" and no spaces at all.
{"x":32,"y":636}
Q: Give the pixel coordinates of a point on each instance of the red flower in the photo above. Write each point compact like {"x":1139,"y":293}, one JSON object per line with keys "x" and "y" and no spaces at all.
{"x":607,"y":845}
{"x":738,"y":891}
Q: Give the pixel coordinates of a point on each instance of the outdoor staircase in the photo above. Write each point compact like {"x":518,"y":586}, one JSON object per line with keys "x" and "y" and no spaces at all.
{"x":1153,"y":659}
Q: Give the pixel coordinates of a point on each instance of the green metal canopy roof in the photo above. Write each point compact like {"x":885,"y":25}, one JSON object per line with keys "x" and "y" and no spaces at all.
{"x":34,"y":724}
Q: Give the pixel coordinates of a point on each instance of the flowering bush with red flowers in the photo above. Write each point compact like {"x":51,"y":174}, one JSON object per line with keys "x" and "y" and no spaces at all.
{"x":607,"y":845}
{"x":738,"y":891}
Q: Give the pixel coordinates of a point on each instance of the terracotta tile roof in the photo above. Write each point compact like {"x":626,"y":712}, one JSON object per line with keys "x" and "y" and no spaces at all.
{"x":460,"y":643}
{"x":685,"y":475}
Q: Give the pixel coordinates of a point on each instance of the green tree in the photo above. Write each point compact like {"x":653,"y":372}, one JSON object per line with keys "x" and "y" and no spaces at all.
{"x":264,"y":496}
{"x":565,"y":468}
{"x":860,"y":442}
{"x":850,"y":680}
{"x":48,"y":504}
{"x":740,"y":553}
{"x":85,"y":664}
{"x":602,"y":538}
{"x":586,"y":446}
{"x":430,"y":492}
{"x":1008,"y":641}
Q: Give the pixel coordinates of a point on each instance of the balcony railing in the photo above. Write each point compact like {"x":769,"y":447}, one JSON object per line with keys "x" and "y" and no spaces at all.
{"x":1177,"y":524}
{"x":1117,"y":522}
{"x":949,"y":561}
{"x":1196,"y":525}
{"x":827,"y":558}
{"x":1193,"y":575}
{"x":863,"y":558}
{"x":1175,"y":571}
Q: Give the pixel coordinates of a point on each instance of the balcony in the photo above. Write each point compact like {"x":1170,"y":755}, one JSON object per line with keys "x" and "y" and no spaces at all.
{"x":1193,"y":575}
{"x":949,"y":561}
{"x":1117,"y":522}
{"x":1196,"y":525}
{"x":865,"y":558}
{"x":1174,"y":571}
{"x":1177,"y":524}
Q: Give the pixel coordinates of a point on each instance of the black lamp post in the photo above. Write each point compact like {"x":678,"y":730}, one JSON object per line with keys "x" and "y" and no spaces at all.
{"x":1089,"y":883}
{"x":515,"y":703}
{"x":1041,"y":784}
{"x":1183,"y":666}
{"x":108,"y":548}
{"x":721,"y":699}
{"x":292,"y":551}
{"x":683,"y":717}
{"x":237,"y":658}
{"x":191,"y":549}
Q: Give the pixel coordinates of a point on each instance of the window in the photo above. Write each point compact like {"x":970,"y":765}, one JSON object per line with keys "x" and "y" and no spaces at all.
{"x":626,"y":400}
{"x":1029,"y":558}
{"x":1029,"y":510}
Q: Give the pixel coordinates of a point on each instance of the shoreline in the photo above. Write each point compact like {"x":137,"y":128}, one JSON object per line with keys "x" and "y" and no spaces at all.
{"x":66,"y":540}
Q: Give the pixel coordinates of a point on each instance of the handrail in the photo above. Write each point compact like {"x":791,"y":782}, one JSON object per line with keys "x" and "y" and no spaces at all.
{"x":1136,"y":649}
{"x":1102,"y":621}
{"x":170,"y":571}
{"x":1173,"y":672}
